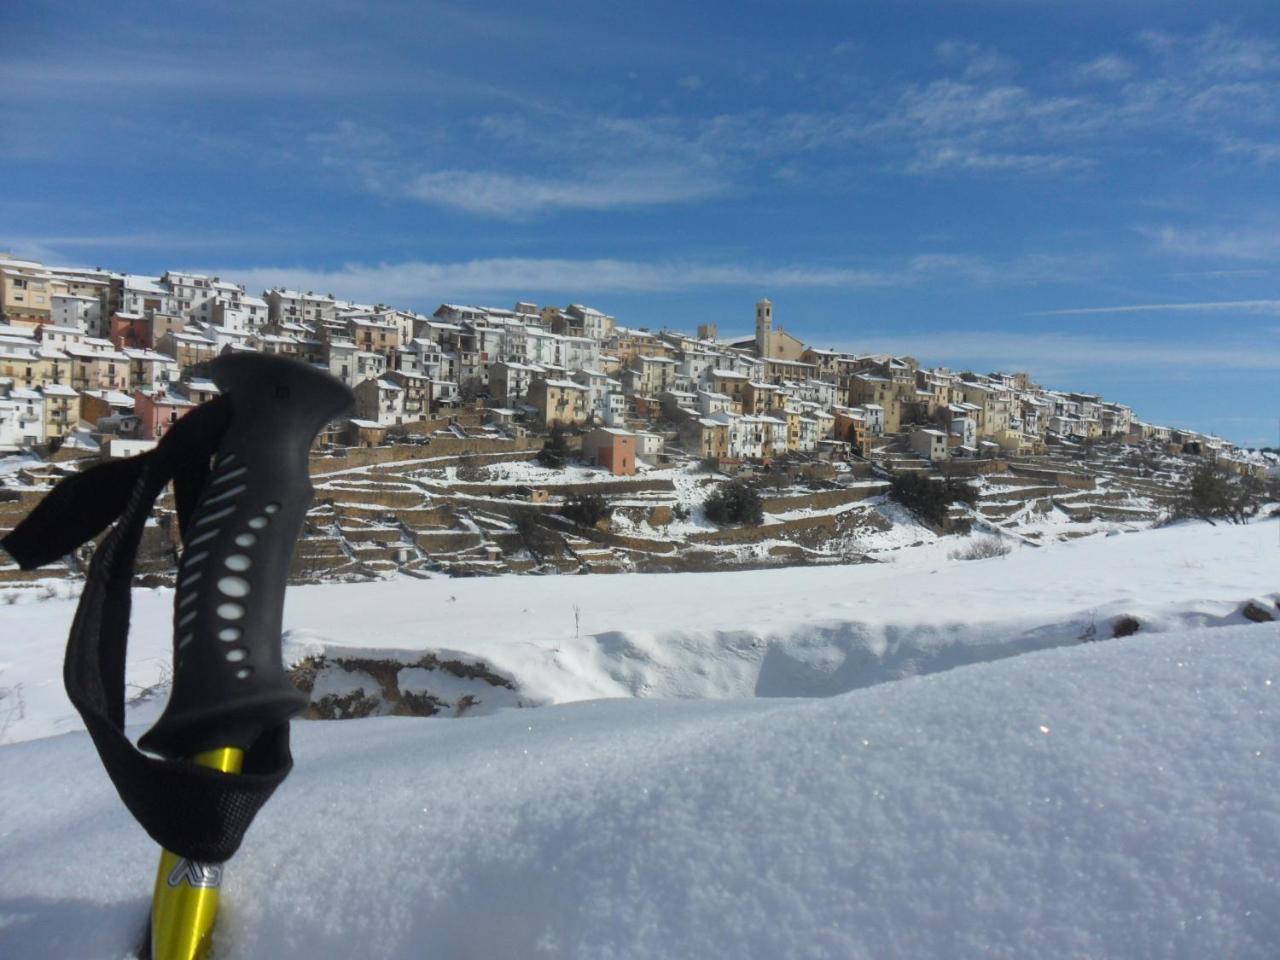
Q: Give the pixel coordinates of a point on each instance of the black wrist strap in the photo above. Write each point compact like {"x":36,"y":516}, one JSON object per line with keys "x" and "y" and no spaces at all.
{"x":193,"y":811}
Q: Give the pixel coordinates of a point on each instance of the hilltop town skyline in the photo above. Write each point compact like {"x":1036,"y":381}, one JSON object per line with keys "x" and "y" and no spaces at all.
{"x":929,"y":352}
{"x":1080,"y":190}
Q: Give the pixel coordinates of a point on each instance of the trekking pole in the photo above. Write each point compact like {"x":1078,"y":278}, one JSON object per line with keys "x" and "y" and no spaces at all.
{"x":229,"y":683}
{"x":239,"y":466}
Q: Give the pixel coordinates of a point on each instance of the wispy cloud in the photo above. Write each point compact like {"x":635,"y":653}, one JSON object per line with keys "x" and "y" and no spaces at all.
{"x":1260,"y":151}
{"x":68,"y":248}
{"x":1251,"y":243}
{"x":1242,"y":306}
{"x":418,"y":281}
{"x":1055,"y":355}
{"x":517,"y":196}
{"x":960,"y":158}
{"x":974,"y":60}
{"x":980,"y":119}
{"x":1108,"y":68}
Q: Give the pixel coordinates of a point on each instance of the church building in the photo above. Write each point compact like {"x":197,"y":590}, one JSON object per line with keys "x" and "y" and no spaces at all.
{"x":770,"y":343}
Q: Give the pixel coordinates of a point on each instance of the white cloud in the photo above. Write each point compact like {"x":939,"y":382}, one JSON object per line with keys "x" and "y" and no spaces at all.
{"x":1243,"y":306}
{"x":517,"y":196}
{"x":974,"y":60}
{"x":1055,"y":355}
{"x":55,"y":249}
{"x":956,"y":157}
{"x":1109,"y":68}
{"x":418,"y":281}
{"x":1248,"y":243}
{"x":1259,"y":151}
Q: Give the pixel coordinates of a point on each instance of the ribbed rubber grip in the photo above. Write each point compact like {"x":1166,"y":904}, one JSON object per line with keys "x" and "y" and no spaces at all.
{"x":229,"y":683}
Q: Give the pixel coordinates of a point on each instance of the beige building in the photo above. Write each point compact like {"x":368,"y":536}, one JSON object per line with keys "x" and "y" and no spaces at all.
{"x":558,"y":401}
{"x":188,"y":349}
{"x":417,"y":393}
{"x":705,"y":437}
{"x":99,"y":369}
{"x":61,"y":410}
{"x":648,"y":376}
{"x":26,"y":292}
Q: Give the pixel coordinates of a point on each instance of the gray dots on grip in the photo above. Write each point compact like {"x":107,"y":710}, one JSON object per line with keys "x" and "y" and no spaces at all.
{"x":230,"y":611}
{"x":237,"y":562}
{"x":233,"y":586}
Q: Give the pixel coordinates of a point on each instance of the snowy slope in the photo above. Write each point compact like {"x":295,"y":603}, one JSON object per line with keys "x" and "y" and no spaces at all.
{"x":1118,"y":799}
{"x":781,"y":632}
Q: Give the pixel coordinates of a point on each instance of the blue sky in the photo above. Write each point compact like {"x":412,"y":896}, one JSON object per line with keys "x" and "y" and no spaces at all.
{"x":1084,"y":190}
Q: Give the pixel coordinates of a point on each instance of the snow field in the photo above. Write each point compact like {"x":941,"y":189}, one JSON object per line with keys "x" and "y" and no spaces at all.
{"x":779,"y":632}
{"x":1118,"y":799}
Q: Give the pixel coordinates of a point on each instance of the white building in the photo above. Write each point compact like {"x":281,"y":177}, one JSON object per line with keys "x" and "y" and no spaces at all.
{"x":21,"y":417}
{"x":140,"y":294}
{"x":930,"y":444}
{"x":74,"y":310}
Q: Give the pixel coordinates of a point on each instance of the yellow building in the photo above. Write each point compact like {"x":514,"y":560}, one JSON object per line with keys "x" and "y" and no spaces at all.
{"x":61,"y":410}
{"x":26,"y":296}
{"x":558,"y":401}
{"x":99,"y":370}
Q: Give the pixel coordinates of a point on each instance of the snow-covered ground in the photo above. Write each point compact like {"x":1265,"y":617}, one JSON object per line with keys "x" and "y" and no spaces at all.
{"x":779,"y":632}
{"x":1118,"y":799}
{"x":963,"y":778}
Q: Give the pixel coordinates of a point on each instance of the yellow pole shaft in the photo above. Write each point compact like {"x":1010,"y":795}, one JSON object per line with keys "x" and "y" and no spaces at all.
{"x":184,"y":905}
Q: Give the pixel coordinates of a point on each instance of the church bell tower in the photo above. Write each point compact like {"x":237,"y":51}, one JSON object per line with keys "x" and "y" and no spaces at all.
{"x":764,"y":327}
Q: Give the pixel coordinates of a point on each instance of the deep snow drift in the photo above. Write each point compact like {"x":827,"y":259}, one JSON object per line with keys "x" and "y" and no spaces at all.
{"x":1111,"y":799}
{"x":1119,"y":799}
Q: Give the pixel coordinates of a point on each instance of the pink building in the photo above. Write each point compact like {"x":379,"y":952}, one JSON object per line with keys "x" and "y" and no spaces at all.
{"x":612,"y":448}
{"x":158,"y":410}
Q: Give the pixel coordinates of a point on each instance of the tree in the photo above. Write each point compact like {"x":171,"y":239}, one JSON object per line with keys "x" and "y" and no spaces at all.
{"x":586,"y":509}
{"x":555,"y":452}
{"x":1214,"y":494}
{"x":930,"y":499}
{"x":734,"y":502}
{"x":470,"y":389}
{"x":537,"y":539}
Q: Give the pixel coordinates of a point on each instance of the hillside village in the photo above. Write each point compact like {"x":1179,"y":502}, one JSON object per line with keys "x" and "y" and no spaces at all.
{"x":438,"y":468}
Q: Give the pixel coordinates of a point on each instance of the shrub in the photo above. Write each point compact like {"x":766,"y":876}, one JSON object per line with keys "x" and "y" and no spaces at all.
{"x":470,"y":469}
{"x":555,"y":452}
{"x":734,"y":502}
{"x":982,"y":548}
{"x":929,"y":499}
{"x":537,"y":539}
{"x":1213,"y":494}
{"x":586,"y":509}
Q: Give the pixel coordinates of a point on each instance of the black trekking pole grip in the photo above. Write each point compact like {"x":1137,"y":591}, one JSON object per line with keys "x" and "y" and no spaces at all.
{"x":229,"y":683}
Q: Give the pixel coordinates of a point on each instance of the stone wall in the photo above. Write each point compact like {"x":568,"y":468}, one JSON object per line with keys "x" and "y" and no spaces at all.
{"x":351,"y":457}
{"x":823,"y":499}
{"x":1061,"y":478}
{"x":770,"y":531}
